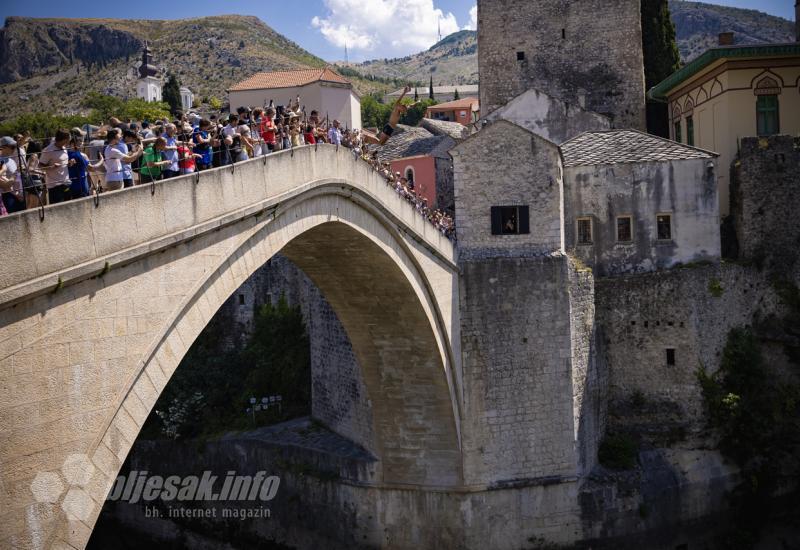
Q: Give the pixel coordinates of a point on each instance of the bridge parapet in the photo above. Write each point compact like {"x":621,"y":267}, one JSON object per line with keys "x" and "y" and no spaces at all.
{"x":77,"y":239}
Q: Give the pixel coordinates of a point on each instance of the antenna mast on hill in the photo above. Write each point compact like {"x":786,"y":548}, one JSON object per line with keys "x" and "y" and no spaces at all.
{"x":439,"y":23}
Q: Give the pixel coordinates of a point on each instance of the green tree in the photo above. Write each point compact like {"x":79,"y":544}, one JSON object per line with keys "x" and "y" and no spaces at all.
{"x":215,"y":103}
{"x":455,"y":95}
{"x":661,"y":58}
{"x":430,"y":89}
{"x":211,"y":388}
{"x":416,"y":94}
{"x":172,"y":94}
{"x":374,"y":114}
{"x":416,"y":112}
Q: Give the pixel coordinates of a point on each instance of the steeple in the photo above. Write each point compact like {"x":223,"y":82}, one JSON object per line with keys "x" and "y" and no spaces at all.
{"x":147,"y":68}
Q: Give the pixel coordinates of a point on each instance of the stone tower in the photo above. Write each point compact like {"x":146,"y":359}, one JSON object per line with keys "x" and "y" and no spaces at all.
{"x":527,"y":316}
{"x":587,"y":52}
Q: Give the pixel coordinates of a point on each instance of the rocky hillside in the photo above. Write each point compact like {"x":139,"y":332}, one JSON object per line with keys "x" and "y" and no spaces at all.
{"x":698,"y":25}
{"x":454,"y":59}
{"x":51,"y":64}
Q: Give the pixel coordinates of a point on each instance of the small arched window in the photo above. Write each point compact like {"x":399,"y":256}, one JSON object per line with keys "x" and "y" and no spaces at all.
{"x":410,"y":175}
{"x":767,"y":107}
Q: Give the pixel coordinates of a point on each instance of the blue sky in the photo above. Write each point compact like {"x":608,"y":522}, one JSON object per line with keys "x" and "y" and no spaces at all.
{"x":371,"y":28}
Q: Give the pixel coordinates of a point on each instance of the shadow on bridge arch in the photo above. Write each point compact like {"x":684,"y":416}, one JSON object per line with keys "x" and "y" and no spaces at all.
{"x":350,"y":245}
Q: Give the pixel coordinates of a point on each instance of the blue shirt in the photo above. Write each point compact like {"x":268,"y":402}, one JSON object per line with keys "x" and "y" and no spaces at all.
{"x":204,"y":149}
{"x":79,"y":183}
{"x":171,"y":154}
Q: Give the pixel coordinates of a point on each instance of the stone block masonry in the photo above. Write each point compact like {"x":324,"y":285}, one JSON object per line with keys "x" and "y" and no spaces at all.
{"x":765,"y":199}
{"x":586,"y":52}
{"x":520,"y":377}
{"x":688,"y":310}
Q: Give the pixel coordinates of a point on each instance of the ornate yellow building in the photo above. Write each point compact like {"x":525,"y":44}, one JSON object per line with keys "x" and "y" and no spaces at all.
{"x":731,"y":92}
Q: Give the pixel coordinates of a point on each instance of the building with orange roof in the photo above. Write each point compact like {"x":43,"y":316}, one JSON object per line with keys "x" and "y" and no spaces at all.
{"x":323,"y":90}
{"x":464,"y":111}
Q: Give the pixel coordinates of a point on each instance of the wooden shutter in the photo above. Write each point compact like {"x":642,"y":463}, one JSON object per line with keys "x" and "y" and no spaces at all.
{"x":497,"y":222}
{"x":524,"y":220}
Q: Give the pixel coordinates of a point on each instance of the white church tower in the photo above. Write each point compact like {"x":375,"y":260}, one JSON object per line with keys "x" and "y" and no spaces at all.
{"x":149,"y":84}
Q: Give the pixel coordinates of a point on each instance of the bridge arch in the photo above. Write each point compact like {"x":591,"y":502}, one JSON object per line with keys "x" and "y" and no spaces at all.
{"x":377,"y":275}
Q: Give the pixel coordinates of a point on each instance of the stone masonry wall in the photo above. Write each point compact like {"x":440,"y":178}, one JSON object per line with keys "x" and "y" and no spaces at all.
{"x":530,"y":175}
{"x":339,"y":397}
{"x":587,"y":52}
{"x":765,"y":194}
{"x":690,"y":310}
{"x":515,"y":327}
{"x":588,"y":382}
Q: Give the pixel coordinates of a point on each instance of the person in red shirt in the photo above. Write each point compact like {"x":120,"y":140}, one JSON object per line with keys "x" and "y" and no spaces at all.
{"x":186,"y":156}
{"x":267,"y":129}
{"x":308,"y":135}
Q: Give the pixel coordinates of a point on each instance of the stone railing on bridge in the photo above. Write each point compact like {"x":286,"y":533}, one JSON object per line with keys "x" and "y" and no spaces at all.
{"x":82,"y":238}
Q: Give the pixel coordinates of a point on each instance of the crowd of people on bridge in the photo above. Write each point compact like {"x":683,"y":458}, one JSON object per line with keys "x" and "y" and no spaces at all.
{"x":73,"y":164}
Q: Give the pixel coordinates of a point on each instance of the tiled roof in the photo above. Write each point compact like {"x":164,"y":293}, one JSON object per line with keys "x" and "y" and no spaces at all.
{"x":620,"y":146}
{"x":455,"y":130}
{"x":413,"y":142}
{"x":288,"y":79}
{"x":465,"y":103}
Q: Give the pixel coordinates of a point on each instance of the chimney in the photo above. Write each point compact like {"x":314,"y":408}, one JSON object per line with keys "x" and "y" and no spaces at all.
{"x":726,"y":38}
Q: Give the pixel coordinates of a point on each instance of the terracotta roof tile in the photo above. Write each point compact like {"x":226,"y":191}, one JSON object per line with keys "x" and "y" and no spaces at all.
{"x":465,"y":103}
{"x":288,"y":79}
{"x":620,"y":146}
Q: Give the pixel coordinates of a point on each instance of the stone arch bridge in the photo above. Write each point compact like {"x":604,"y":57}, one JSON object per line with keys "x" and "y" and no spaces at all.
{"x":98,"y":304}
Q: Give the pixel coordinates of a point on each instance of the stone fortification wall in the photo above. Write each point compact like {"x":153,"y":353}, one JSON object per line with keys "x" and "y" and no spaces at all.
{"x":688,"y":310}
{"x":586,"y":52}
{"x":765,"y":193}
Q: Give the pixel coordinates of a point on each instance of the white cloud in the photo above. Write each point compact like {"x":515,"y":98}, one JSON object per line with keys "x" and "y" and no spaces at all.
{"x":473,"y":19}
{"x":393,"y":27}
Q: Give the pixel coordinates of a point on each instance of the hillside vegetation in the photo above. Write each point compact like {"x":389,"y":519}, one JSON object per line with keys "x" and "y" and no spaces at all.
{"x":52,"y":64}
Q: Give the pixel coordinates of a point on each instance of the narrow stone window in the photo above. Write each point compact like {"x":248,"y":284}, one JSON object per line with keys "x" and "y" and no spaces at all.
{"x":671,"y":357}
{"x":624,"y":229}
{"x":664,"y":227}
{"x":241,"y":299}
{"x":584,"y":230}
{"x":563,"y":34}
{"x":510,"y":220}
{"x":520,"y":56}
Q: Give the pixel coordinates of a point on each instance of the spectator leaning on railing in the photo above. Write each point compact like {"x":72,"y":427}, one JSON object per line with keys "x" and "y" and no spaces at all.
{"x":162,"y":149}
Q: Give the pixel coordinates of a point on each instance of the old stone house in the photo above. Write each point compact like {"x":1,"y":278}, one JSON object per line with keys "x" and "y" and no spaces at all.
{"x":636,"y":202}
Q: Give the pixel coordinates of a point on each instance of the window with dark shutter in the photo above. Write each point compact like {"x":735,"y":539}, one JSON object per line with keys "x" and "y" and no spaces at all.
{"x":510,"y":220}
